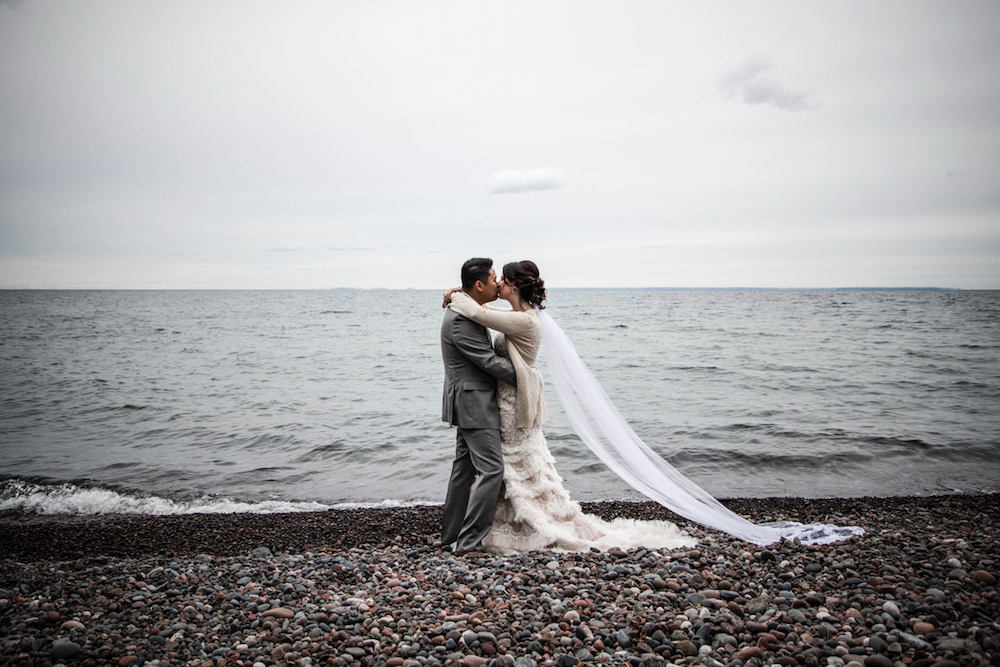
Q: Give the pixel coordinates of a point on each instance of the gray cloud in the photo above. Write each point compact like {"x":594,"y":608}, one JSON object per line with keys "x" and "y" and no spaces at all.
{"x":749,"y":84}
{"x":513,"y":180}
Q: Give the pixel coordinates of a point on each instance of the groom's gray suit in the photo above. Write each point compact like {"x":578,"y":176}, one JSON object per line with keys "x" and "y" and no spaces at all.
{"x":471,"y":369}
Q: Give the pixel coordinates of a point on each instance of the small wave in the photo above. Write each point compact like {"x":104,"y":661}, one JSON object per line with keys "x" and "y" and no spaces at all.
{"x":388,"y":503}
{"x":20,"y":496}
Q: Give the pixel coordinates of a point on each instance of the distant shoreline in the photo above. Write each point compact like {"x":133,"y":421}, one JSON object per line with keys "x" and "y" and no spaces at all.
{"x":436,"y":289}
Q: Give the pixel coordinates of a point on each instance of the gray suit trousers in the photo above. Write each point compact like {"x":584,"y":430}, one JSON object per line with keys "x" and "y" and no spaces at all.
{"x":468,"y":512}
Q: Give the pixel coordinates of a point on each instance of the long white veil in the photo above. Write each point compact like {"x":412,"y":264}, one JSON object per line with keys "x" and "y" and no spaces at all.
{"x":602,"y":428}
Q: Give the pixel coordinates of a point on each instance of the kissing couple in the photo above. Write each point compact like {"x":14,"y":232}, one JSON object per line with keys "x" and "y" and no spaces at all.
{"x":504,"y":494}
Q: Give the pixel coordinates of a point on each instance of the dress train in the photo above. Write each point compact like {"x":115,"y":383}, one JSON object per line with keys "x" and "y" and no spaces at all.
{"x":535,"y":511}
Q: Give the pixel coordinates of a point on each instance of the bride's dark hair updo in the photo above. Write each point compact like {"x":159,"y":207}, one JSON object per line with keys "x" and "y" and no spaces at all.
{"x":524,"y":276}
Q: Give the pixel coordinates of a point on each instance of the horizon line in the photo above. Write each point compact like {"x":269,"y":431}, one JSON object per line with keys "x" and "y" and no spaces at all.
{"x":420,"y":289}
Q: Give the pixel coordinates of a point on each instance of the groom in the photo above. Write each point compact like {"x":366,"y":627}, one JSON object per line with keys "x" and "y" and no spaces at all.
{"x":471,"y":369}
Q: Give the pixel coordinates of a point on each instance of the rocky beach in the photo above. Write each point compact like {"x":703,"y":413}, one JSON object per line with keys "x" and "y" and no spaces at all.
{"x":371,"y":588}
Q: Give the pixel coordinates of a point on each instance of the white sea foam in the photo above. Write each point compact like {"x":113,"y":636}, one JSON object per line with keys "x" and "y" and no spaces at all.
{"x":388,"y":502}
{"x":21,"y":496}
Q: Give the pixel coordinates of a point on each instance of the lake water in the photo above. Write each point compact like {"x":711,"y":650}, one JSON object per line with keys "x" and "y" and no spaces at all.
{"x":178,"y":401}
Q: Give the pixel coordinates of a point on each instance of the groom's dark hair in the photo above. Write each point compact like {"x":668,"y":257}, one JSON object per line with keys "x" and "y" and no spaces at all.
{"x":477,"y":268}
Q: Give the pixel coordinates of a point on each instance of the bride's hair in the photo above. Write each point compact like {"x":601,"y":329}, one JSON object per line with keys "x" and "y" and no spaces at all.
{"x":524,"y":276}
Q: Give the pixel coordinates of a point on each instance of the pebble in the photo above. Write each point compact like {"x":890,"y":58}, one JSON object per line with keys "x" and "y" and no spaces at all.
{"x":888,"y":599}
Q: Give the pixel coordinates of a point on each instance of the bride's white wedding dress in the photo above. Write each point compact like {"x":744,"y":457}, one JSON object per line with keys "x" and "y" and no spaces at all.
{"x":535,"y":511}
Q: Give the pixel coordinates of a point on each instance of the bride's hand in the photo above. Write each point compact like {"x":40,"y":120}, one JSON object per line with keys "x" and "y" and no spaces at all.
{"x":447,"y":296}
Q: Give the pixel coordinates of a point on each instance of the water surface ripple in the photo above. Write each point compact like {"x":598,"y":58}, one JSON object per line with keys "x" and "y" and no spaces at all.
{"x":334,"y":396}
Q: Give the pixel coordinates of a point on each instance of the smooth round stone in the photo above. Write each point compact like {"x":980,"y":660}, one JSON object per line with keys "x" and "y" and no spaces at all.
{"x":279,"y":612}
{"x":984,"y":577}
{"x":64,"y":650}
{"x":890,"y":607}
{"x":878,"y":661}
{"x":835,"y":661}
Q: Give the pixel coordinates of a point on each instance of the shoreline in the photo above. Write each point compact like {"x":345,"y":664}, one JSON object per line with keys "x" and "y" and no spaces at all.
{"x":68,"y":537}
{"x":367,"y":588}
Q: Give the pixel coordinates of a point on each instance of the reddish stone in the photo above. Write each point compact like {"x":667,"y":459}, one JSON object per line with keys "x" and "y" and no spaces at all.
{"x":279,"y":612}
{"x":984,"y":577}
{"x":749,"y":652}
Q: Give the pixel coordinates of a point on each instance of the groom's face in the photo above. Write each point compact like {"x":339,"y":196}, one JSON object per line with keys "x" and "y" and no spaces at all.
{"x":491,"y":290}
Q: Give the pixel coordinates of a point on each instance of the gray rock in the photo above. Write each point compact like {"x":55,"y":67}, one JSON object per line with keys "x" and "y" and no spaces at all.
{"x":695,"y":598}
{"x":261,"y":552}
{"x":64,"y":650}
{"x":955,"y":644}
{"x":875,"y":644}
{"x":797,"y":616}
{"x":915,"y":642}
{"x":878,"y":661}
{"x":524,"y":662}
{"x":757,"y":605}
{"x":623,"y":639}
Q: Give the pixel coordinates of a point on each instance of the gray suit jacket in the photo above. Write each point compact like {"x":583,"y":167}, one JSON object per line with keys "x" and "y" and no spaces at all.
{"x":471,"y":369}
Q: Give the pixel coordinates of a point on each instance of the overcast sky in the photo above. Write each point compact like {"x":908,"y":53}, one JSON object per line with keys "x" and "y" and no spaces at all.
{"x":170,"y":144}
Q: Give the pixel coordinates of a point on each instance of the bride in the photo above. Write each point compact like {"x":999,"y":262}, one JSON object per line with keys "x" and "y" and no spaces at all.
{"x":534,"y":511}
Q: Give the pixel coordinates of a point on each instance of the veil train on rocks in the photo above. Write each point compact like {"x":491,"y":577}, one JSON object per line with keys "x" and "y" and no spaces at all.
{"x":603,"y":429}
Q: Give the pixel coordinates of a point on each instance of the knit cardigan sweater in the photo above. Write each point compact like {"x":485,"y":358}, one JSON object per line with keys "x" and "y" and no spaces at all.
{"x":523,"y":333}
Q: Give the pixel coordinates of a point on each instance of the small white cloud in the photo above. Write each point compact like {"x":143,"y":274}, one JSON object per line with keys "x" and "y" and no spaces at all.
{"x":513,"y":180}
{"x":286,"y":249}
{"x":749,"y":83}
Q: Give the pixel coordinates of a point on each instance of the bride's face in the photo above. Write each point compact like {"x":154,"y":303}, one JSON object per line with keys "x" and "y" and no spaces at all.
{"x":506,"y":289}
